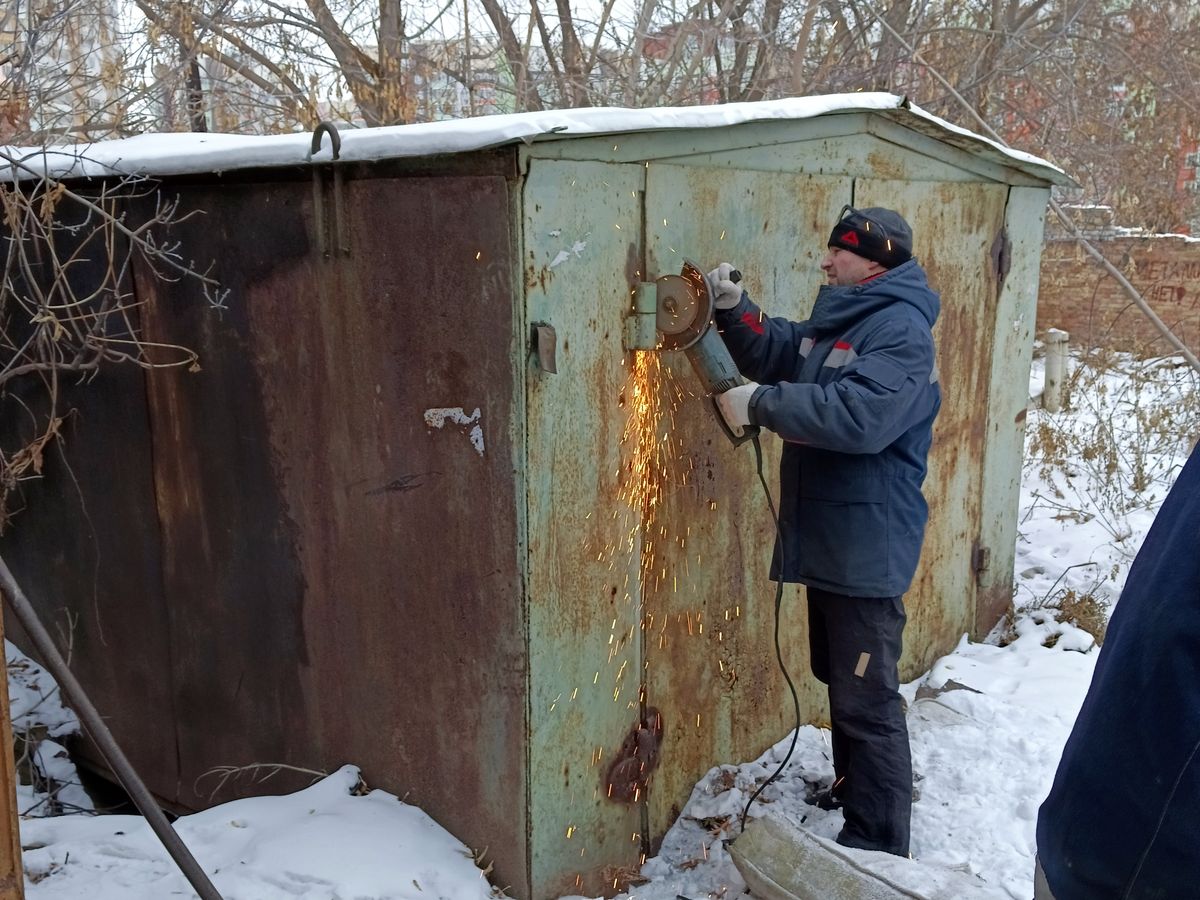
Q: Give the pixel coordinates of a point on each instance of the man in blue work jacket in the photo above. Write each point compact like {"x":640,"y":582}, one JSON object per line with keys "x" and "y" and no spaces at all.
{"x":853,"y":392}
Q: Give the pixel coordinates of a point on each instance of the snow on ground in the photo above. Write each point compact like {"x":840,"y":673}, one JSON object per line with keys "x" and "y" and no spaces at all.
{"x":327,"y":841}
{"x":987,"y":722}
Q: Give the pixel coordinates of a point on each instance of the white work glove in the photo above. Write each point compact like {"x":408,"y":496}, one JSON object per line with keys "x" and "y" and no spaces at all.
{"x":734,"y":404}
{"x":726,"y":292}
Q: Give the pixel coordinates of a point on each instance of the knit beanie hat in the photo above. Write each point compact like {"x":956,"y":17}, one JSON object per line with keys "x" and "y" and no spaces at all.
{"x":874,"y":233}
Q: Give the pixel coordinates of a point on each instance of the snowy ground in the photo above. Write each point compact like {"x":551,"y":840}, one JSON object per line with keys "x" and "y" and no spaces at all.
{"x":987,"y":722}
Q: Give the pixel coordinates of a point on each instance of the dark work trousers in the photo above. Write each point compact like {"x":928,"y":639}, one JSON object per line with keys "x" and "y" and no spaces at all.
{"x":855,"y":646}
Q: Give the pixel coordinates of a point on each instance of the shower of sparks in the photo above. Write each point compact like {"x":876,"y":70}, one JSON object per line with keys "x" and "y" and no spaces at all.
{"x":647,"y":551}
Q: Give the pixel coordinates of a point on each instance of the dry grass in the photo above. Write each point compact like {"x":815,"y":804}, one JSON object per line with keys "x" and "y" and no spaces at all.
{"x":1084,"y":611}
{"x":622,"y":878}
{"x":1114,"y":448}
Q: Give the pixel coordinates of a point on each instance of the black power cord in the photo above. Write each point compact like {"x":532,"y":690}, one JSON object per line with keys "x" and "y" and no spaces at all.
{"x":778,"y":650}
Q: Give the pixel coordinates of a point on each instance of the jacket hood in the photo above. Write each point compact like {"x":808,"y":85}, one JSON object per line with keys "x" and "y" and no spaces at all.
{"x":840,"y":305}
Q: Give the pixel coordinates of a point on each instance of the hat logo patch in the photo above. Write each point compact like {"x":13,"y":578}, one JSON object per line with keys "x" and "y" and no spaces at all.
{"x":850,"y":238}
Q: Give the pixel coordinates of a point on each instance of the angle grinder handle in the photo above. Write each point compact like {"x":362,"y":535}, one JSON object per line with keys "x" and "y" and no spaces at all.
{"x":746,"y":432}
{"x":736,"y":436}
{"x":710,"y":358}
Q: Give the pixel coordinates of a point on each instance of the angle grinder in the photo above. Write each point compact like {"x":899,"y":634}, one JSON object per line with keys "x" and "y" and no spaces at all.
{"x":685,"y":322}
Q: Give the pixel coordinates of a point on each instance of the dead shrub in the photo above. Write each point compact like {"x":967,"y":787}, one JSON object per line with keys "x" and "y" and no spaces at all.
{"x":1086,"y":612}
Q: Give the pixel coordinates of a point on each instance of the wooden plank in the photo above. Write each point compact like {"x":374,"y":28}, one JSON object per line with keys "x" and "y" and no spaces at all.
{"x":780,"y":860}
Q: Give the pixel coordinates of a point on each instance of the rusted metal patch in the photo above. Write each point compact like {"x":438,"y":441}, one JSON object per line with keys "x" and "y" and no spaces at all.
{"x":629,"y":775}
{"x":88,"y":579}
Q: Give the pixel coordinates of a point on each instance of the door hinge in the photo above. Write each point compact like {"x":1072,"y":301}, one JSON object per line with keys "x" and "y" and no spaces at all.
{"x":981,"y":558}
{"x":1001,"y":257}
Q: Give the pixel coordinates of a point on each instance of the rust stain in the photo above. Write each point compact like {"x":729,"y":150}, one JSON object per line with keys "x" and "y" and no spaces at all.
{"x":273,"y":468}
{"x":629,"y":774}
{"x":886,"y":165}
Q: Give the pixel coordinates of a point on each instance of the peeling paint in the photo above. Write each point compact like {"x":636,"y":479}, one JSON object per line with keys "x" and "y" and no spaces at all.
{"x":563,"y":255}
{"x":438,"y":416}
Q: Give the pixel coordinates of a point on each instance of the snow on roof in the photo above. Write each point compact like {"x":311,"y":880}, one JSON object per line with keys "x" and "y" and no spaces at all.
{"x":192,"y":152}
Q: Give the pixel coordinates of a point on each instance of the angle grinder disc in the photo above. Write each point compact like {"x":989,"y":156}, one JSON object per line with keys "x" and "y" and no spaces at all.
{"x":684,"y":308}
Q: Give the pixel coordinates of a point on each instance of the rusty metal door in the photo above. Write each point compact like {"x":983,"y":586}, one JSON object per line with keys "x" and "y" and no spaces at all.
{"x":337,"y":491}
{"x":710,"y":657}
{"x":954,"y":228}
{"x":581,"y":260}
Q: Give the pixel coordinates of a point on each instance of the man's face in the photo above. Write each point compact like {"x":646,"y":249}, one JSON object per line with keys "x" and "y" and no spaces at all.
{"x":845,"y":268}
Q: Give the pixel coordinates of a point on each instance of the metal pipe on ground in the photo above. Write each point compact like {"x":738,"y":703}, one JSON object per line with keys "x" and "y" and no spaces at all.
{"x":113,"y":755}
{"x":1056,"y":370}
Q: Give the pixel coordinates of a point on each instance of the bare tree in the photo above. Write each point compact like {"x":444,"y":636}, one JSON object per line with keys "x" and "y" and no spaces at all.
{"x":1106,"y":90}
{"x":67,"y":308}
{"x":62,"y":73}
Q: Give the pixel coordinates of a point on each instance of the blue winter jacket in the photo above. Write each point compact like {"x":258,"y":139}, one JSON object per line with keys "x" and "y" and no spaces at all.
{"x":853,"y":392}
{"x":1123,"y":817}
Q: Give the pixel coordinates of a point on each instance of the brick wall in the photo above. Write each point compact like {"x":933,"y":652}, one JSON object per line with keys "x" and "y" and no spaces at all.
{"x":1077,"y":296}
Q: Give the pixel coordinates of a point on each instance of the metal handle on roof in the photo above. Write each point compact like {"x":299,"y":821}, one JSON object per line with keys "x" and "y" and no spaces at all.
{"x":335,"y":244}
{"x":335,"y":139}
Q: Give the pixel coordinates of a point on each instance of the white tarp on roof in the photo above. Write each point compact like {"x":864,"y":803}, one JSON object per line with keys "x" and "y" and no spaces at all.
{"x":190,"y":153}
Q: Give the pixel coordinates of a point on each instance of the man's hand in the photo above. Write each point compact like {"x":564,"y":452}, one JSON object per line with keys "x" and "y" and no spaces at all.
{"x":734,"y":404}
{"x":726,"y":291}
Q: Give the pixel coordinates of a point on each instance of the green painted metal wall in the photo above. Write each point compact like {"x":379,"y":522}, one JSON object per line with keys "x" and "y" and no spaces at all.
{"x":1015,"y":317}
{"x":954,"y":226}
{"x":581,"y":229}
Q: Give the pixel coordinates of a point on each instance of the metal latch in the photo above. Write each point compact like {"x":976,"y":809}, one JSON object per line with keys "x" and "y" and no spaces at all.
{"x":1001,"y":255}
{"x":545,"y":345}
{"x":641,"y":325}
